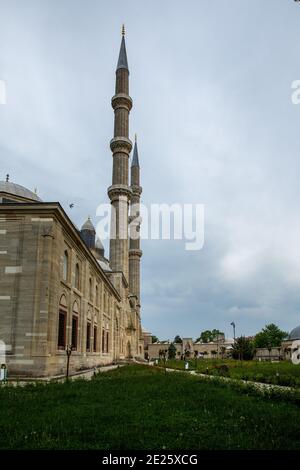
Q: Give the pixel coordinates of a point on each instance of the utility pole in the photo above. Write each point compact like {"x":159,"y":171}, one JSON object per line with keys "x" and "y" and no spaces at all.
{"x":233,"y":325}
{"x":68,"y":352}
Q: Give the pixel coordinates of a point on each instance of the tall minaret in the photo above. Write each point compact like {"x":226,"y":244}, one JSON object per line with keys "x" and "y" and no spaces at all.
{"x":119,"y":192}
{"x":135,"y":252}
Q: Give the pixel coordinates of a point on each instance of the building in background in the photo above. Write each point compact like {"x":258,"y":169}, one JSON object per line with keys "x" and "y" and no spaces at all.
{"x":147,"y":339}
{"x":219,"y":348}
{"x":282,"y":352}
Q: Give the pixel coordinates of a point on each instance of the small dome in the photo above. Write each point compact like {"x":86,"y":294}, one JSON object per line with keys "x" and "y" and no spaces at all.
{"x":88,"y":225}
{"x":104,"y":265}
{"x":88,"y":234}
{"x":295,"y":334}
{"x":18,"y":190}
{"x":229,"y":340}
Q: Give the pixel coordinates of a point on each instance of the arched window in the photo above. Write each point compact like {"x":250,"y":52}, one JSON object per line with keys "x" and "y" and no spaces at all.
{"x":96,"y":295}
{"x":63,"y":301}
{"x":103,"y":340}
{"x":90,"y":289}
{"x":62,"y":323}
{"x":65,"y":266}
{"x":104,"y":301}
{"x":95,"y":338}
{"x":88,"y":336}
{"x":75,"y":314}
{"x":77,"y":276}
{"x":107,"y":340}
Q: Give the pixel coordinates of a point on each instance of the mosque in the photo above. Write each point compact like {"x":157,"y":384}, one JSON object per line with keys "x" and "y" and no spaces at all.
{"x":58,"y":290}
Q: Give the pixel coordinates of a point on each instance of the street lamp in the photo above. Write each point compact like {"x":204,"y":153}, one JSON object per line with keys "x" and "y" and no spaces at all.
{"x":68,"y":352}
{"x":233,"y":326}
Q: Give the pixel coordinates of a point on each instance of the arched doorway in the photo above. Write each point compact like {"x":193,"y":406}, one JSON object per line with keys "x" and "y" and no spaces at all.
{"x":128,"y":350}
{"x":116,"y":340}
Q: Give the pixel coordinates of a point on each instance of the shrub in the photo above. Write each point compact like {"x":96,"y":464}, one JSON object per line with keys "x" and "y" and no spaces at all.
{"x":223,"y":370}
{"x":259,"y":378}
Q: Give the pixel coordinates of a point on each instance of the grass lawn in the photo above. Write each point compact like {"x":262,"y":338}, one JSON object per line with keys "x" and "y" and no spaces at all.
{"x":138,"y":407}
{"x":280,"y":373}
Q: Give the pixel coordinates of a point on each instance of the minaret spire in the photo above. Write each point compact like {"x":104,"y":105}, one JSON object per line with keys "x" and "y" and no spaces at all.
{"x":125,"y":251}
{"x":135,"y":158}
{"x":135,"y":253}
{"x":119,"y":192}
{"x":122,"y":61}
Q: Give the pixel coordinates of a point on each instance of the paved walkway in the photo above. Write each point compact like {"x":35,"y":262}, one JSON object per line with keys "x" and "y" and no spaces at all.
{"x":259,"y":385}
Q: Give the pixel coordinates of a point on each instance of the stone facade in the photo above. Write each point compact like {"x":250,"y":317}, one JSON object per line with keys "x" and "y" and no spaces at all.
{"x":56,"y":286}
{"x":283,"y":352}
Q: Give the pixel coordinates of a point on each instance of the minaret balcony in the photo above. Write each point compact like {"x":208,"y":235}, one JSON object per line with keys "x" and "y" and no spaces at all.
{"x":136,"y":190}
{"x":134,"y":253}
{"x":115,"y":191}
{"x":121,"y":100}
{"x":121,"y":144}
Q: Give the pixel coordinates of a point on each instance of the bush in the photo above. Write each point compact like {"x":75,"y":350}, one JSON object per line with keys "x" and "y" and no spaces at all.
{"x":222,"y":370}
{"x":287,"y":380}
{"x":259,"y":378}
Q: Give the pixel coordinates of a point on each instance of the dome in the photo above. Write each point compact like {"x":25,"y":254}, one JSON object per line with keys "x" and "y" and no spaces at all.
{"x":104,"y":265}
{"x":229,"y":340}
{"x":88,"y":225}
{"x":88,"y":233}
{"x":18,"y":190}
{"x":295,"y":334}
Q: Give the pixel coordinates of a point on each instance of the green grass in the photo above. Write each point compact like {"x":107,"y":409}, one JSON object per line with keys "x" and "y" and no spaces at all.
{"x":137,"y":407}
{"x":279,"y":373}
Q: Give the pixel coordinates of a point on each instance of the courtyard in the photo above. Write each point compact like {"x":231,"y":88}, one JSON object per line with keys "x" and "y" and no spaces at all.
{"x":141,"y":407}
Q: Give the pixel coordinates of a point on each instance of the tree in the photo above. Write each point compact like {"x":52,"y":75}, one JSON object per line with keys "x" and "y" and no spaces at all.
{"x":270,"y":337}
{"x":163,"y":356}
{"x":243,"y":349}
{"x":155,"y":339}
{"x":208,"y":336}
{"x":172,"y":351}
{"x":215,"y":334}
{"x":186,"y":354}
{"x":177,"y":339}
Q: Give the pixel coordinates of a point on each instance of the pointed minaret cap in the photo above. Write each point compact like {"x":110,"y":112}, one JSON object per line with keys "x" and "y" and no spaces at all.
{"x":135,"y":158}
{"x":88,"y":225}
{"x":122,"y":62}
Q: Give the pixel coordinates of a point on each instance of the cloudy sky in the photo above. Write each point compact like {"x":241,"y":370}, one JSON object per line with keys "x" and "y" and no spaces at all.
{"x":211,"y":84}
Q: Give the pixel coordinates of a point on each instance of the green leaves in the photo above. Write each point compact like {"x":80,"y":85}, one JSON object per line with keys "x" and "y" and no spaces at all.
{"x":270,"y":337}
{"x":209,"y":335}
